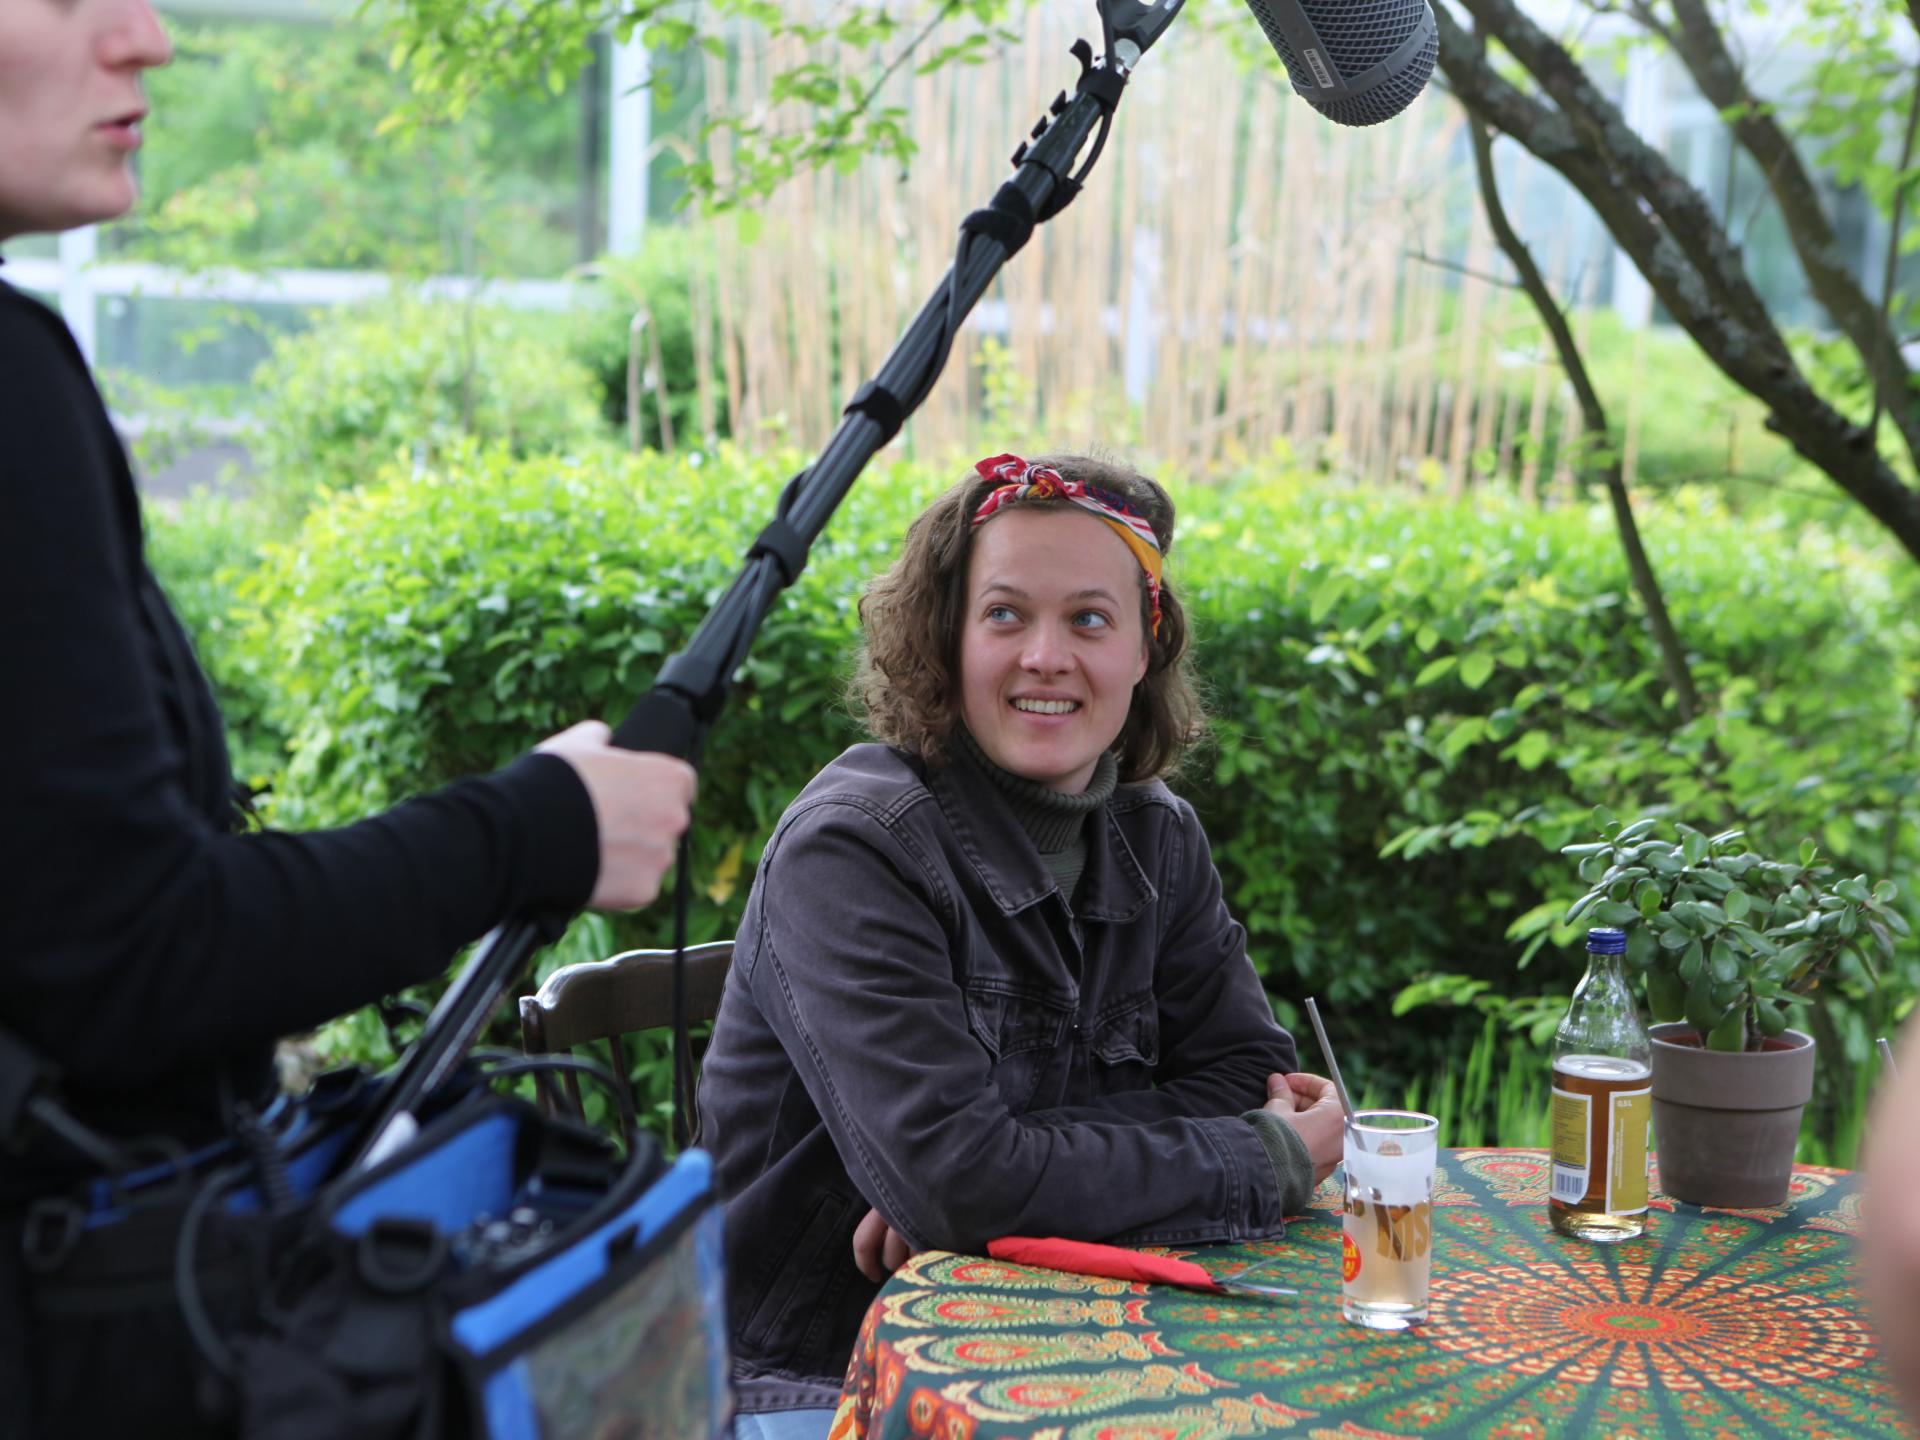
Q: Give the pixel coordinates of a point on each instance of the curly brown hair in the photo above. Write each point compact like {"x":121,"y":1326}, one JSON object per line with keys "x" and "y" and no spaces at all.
{"x":906,"y":684}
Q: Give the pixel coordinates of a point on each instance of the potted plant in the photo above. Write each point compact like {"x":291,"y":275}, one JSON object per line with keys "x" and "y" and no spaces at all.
{"x":1729,"y":941}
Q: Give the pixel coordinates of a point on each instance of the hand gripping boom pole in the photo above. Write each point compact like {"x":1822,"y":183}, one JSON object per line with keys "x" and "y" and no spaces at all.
{"x":691,"y":688}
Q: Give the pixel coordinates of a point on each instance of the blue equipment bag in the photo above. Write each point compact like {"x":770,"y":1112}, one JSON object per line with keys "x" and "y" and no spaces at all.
{"x":500,"y":1276}
{"x":622,"y":1333}
{"x":504,"y":1275}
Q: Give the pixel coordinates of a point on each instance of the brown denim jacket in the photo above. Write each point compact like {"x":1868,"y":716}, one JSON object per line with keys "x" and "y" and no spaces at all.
{"x":917,"y":1020}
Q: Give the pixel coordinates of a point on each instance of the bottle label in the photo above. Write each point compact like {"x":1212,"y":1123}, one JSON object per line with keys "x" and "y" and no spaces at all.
{"x":1572,"y":1130}
{"x":1630,"y":1125}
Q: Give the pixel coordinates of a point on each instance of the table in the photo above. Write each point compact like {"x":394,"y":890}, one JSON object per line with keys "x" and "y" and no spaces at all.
{"x":1716,"y":1322}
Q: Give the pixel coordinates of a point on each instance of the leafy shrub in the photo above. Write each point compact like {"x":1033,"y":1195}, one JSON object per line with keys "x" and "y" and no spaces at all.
{"x":404,"y":379}
{"x":275,"y":154}
{"x":438,"y":625}
{"x":200,"y":550}
{"x":659,"y":278}
{"x":1417,"y":703}
{"x":1453,"y":688}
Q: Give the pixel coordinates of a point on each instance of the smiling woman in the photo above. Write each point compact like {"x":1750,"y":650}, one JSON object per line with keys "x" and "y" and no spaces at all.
{"x":986,"y":984}
{"x":1052,"y":644}
{"x":915,"y":615}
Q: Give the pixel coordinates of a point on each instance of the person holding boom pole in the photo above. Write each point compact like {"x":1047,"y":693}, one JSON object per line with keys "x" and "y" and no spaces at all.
{"x":149,"y":952}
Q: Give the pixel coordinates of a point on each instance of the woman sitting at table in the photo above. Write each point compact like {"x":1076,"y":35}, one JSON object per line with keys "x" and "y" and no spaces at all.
{"x":986,"y":983}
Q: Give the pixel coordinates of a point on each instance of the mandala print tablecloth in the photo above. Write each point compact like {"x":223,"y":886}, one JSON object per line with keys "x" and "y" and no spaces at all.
{"x":1716,"y":1323}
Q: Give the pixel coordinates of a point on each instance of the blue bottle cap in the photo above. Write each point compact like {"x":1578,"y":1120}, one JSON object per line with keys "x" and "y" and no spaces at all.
{"x":1605,"y":940}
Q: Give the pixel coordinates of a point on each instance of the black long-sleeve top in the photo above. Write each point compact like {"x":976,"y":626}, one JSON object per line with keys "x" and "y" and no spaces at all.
{"x":146,"y":948}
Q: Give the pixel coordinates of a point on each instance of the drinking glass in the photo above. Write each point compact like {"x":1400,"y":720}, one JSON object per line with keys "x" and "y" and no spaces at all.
{"x":1386,"y":1243}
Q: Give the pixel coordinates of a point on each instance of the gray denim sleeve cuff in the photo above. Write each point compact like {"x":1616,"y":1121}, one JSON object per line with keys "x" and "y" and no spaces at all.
{"x":1292,"y":1165}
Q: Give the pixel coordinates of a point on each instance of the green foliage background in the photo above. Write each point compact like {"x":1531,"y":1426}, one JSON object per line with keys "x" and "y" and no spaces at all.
{"x":1417,"y":703}
{"x":407,"y":378}
{"x":657,"y":280}
{"x":276,"y":151}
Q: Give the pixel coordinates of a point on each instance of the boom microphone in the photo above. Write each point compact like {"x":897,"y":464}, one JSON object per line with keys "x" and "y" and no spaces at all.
{"x":1357,"y":62}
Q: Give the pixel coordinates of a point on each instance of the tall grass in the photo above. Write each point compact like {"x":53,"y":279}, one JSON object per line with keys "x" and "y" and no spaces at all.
{"x":1496,"y":1095}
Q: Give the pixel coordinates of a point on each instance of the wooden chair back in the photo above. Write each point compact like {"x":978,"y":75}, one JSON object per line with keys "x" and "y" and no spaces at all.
{"x":605,"y":999}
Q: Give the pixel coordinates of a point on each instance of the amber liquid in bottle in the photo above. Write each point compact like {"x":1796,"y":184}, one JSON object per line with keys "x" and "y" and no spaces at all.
{"x":1602,"y":1104}
{"x":1614,"y":1118}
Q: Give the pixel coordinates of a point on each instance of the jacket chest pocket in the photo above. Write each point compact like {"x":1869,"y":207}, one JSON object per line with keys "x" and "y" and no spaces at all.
{"x":1022,"y":1037}
{"x":1126,"y":1047}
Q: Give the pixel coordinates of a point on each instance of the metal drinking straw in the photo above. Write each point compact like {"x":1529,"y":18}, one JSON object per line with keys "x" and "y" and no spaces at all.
{"x":1333,"y":1072}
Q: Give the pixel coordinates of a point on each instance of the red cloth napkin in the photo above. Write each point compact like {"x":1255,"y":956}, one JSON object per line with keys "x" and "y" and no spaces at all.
{"x":1083,"y":1257}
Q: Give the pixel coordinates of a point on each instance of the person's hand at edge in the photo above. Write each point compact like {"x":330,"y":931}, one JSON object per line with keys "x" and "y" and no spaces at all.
{"x":1311,"y":1105}
{"x":1888,"y":1258}
{"x":878,"y":1249}
{"x":642,"y":804}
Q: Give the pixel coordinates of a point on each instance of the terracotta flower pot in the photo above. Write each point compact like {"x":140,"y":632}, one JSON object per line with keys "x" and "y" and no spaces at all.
{"x":1726,"y":1123}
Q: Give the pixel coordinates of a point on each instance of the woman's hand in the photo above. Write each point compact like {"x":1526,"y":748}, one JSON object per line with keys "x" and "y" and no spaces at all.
{"x":642,"y":804}
{"x":878,"y":1249}
{"x":1310,"y":1104}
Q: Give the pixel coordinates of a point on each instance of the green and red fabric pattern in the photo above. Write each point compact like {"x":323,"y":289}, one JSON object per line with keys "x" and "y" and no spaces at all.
{"x":1717,"y":1323}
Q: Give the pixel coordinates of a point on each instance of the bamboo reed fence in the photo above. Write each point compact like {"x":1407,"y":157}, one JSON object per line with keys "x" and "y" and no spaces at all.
{"x":1240,"y":275}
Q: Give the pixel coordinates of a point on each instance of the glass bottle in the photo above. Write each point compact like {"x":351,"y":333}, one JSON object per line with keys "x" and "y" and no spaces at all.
{"x":1602,"y":1103}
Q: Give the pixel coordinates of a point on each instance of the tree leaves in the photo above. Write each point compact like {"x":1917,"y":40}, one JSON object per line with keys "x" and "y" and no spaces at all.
{"x":826,"y":71}
{"x":1533,"y":749}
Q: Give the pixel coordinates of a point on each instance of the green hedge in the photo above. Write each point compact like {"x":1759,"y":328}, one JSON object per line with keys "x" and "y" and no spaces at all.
{"x":399,"y":381}
{"x":662,"y":276}
{"x":1416,"y":702}
{"x":432,"y":627}
{"x":1419,"y":703}
{"x":200,"y":549}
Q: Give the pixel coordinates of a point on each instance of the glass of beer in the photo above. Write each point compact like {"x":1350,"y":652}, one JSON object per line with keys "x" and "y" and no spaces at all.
{"x":1386,"y":1244}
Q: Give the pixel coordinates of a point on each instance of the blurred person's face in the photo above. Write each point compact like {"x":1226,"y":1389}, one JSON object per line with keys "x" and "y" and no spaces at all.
{"x":1051,"y":642}
{"x":70,"y":108}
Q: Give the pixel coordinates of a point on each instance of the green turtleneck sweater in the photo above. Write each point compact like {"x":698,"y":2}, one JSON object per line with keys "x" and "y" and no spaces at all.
{"x":1056,"y":823}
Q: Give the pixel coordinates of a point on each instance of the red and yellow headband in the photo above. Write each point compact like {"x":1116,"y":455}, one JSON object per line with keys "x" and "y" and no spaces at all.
{"x":1022,"y":481}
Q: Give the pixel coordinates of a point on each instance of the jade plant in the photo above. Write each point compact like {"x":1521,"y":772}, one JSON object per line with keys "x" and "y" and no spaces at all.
{"x":1727,"y":938}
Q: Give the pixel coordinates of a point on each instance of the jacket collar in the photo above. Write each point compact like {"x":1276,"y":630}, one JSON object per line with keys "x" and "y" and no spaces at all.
{"x":1113,"y":887}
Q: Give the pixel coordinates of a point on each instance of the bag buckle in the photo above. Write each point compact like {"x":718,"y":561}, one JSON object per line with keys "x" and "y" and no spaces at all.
{"x":51,"y":1234}
{"x":400,"y":1257}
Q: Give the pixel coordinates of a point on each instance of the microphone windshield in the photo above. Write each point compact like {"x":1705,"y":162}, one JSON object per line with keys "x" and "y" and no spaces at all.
{"x":1357,"y":62}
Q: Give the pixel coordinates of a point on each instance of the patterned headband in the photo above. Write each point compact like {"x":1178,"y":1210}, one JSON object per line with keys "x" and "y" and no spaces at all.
{"x":1022,"y":481}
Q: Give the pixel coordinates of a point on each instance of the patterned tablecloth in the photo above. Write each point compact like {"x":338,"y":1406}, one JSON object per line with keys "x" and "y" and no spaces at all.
{"x":1716,"y":1323}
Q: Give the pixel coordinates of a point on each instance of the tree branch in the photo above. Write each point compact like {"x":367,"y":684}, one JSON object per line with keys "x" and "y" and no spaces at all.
{"x":1593,"y":414}
{"x":1439,"y":263}
{"x":1697,"y":40}
{"x":1688,"y":216}
{"x":1644,"y":14}
{"x":1889,"y":355}
{"x":1753,"y":357}
{"x":940,"y":17}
